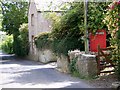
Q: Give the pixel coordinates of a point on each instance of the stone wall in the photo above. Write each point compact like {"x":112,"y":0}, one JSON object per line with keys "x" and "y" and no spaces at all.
{"x":86,"y":63}
{"x":46,"y":56}
{"x":62,"y":64}
{"x":37,"y":23}
{"x":43,"y":56}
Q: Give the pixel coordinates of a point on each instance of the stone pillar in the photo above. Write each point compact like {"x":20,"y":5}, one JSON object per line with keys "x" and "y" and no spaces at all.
{"x":87,"y":65}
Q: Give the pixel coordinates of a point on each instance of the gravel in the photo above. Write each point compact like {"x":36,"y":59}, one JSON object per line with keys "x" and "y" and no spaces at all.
{"x":104,"y":81}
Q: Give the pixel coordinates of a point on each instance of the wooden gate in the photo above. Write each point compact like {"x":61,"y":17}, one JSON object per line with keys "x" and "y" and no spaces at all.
{"x":103,"y":60}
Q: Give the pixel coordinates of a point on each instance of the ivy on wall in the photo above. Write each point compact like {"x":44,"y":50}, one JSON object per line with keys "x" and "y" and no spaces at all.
{"x":68,"y":29}
{"x":96,"y":14}
{"x":42,"y":41}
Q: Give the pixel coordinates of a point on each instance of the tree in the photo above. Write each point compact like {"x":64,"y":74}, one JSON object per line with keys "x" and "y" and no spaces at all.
{"x":14,"y":14}
{"x":24,"y":41}
{"x":0,"y":17}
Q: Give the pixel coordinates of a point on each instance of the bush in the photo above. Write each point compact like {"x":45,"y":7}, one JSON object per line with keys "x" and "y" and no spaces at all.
{"x":112,"y":20}
{"x":95,"y":16}
{"x":66,"y":33}
{"x":42,"y":40}
{"x":64,"y":45}
{"x":7,"y":44}
{"x":71,"y":23}
{"x":72,"y":65}
{"x":68,"y":29}
{"x":23,"y":41}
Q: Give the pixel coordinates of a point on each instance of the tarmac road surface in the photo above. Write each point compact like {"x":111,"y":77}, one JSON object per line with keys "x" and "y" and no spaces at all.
{"x":16,"y":73}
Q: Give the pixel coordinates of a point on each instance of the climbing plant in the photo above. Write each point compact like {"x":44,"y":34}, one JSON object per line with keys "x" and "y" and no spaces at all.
{"x":42,"y":41}
{"x":112,"y":20}
{"x":73,"y":68}
{"x":68,"y":29}
{"x":67,"y":33}
{"x":95,"y":17}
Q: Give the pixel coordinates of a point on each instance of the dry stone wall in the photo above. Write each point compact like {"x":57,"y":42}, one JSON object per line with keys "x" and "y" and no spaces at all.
{"x":86,"y":63}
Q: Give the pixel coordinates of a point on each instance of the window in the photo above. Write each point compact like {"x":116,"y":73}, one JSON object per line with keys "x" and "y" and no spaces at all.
{"x":32,"y":19}
{"x":32,"y":41}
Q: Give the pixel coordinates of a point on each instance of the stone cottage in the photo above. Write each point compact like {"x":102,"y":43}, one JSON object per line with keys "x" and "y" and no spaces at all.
{"x":38,"y":23}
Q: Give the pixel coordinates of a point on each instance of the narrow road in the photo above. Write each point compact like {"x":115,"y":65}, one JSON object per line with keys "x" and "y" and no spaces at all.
{"x":30,"y":74}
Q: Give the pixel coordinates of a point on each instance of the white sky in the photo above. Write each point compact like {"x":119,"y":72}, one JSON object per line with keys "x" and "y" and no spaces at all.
{"x":2,"y":32}
{"x":44,"y":5}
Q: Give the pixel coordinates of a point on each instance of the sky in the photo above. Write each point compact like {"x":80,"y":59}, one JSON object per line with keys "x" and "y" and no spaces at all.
{"x":2,"y":32}
{"x":49,"y":4}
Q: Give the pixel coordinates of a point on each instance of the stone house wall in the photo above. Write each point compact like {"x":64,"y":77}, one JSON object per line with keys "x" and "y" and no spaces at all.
{"x":37,"y":23}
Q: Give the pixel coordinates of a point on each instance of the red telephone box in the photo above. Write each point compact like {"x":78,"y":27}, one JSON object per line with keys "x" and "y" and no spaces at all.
{"x":98,"y":39}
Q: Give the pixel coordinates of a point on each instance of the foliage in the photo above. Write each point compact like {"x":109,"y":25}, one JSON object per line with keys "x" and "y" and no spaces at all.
{"x":7,"y":44}
{"x":53,"y":16}
{"x":14,"y":14}
{"x":96,"y":11}
{"x":68,"y":29}
{"x":67,"y":33}
{"x":71,"y":23}
{"x":64,"y":45}
{"x":72,"y":66}
{"x":0,"y":17}
{"x":23,"y":40}
{"x":43,"y":41}
{"x":112,"y":20}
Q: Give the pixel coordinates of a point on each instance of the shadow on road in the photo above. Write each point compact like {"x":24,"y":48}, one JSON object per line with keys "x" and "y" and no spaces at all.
{"x":34,"y":74}
{"x":45,"y":76}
